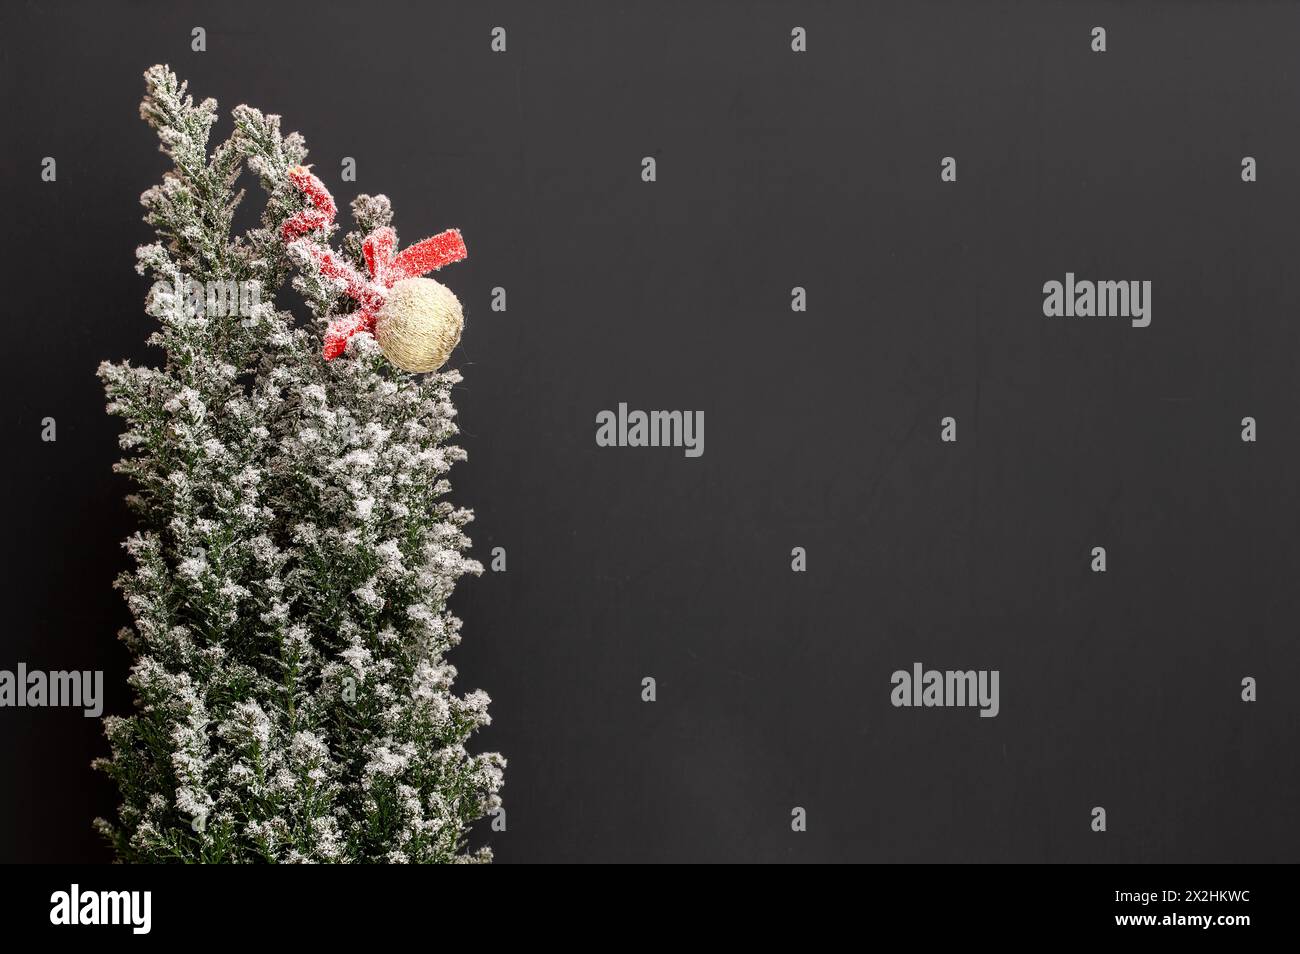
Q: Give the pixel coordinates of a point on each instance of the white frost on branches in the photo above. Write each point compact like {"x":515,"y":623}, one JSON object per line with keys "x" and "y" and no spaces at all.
{"x":295,"y":552}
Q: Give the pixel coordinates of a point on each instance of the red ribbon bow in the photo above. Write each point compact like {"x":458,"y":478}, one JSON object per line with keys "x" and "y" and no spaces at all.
{"x":387,"y":266}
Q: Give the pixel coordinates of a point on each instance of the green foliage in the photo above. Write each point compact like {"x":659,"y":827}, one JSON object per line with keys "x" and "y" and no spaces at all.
{"x":295,"y":551}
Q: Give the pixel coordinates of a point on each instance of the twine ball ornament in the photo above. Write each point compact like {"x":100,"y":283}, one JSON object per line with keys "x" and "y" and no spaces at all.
{"x":419,"y":324}
{"x":416,"y":320}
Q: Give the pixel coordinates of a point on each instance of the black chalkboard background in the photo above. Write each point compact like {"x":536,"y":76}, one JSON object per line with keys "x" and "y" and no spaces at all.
{"x":775,"y":169}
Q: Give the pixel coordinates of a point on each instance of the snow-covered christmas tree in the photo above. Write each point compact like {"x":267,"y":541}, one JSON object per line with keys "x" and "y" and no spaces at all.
{"x":295,"y":551}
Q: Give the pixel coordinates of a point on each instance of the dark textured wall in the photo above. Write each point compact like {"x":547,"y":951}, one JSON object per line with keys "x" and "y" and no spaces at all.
{"x":775,"y":169}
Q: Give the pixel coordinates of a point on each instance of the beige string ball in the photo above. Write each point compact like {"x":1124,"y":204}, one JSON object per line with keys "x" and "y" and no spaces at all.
{"x":419,"y":324}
